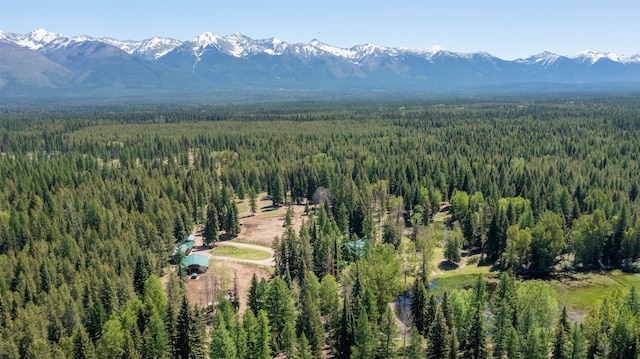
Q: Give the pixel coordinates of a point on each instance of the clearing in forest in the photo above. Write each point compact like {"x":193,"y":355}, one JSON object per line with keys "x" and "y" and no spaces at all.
{"x":240,"y":258}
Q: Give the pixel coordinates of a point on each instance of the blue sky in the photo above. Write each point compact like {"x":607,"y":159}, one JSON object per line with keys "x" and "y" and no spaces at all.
{"x":508,"y":29}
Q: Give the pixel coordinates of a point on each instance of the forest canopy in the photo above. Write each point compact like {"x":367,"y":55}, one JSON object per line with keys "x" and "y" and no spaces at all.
{"x":93,"y":201}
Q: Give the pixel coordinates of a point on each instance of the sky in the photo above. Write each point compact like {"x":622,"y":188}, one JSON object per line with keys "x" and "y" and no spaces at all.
{"x":508,"y":29}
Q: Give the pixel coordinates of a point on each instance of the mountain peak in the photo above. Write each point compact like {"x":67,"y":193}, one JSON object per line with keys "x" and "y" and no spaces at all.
{"x":43,"y":35}
{"x":37,"y":39}
{"x":207,"y":38}
{"x":234,"y":59}
{"x":545,"y":58}
{"x":594,"y":56}
{"x":237,"y":36}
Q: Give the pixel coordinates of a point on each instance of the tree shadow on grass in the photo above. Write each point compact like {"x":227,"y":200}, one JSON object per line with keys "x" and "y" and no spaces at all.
{"x":447,"y":266}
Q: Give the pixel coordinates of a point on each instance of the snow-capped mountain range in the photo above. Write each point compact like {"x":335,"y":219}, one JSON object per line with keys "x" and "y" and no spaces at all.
{"x":43,"y":61}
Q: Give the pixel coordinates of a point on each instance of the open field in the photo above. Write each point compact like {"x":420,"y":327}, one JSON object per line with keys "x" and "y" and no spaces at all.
{"x":219,"y":278}
{"x":240,"y":253}
{"x":266,"y":223}
{"x":581,"y":290}
{"x":577,"y":291}
{"x":248,"y":254}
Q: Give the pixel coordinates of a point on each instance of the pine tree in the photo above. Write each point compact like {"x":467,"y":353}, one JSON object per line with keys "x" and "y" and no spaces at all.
{"x":418,"y":304}
{"x":154,"y":294}
{"x":503,"y":313}
{"x":578,"y":348}
{"x":277,"y":190}
{"x":257,"y":294}
{"x":304,"y":349}
{"x":369,"y":302}
{"x":345,"y":331}
{"x":430,"y":314}
{"x":534,"y":347}
{"x":288,"y":218}
{"x":280,"y":308}
{"x":309,"y":323}
{"x":454,"y":345}
{"x":622,"y":338}
{"x":501,"y":328}
{"x":438,"y":340}
{"x":155,"y":338}
{"x":82,"y":346}
{"x":253,"y":203}
{"x":108,"y":296}
{"x":387,"y":348}
{"x":453,"y":245}
{"x":415,"y":349}
{"x":197,"y":330}
{"x":512,"y":344}
{"x":290,"y":342}
{"x":141,"y":273}
{"x":240,"y":190}
{"x":233,"y":220}
{"x":222,"y":346}
{"x":264,"y":336}
{"x":131,"y":350}
{"x":561,"y":349}
{"x":211,"y":226}
{"x":476,"y":340}
{"x":240,"y":338}
{"x":183,"y":325}
{"x":172,"y":332}
{"x":447,"y":311}
{"x":632,"y":302}
{"x":96,"y":318}
{"x":363,"y":339}
{"x":250,"y":326}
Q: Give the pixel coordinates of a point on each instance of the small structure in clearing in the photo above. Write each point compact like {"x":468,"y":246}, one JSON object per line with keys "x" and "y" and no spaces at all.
{"x":184,"y":247}
{"x":195,"y":263}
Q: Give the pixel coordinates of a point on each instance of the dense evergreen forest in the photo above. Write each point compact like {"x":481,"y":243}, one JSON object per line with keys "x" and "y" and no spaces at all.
{"x":93,"y":200}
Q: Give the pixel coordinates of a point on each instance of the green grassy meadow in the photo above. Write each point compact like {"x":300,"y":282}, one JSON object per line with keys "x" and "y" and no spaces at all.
{"x":240,"y":253}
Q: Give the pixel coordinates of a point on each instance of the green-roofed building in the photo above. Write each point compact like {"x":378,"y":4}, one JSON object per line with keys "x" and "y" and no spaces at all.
{"x":183,"y":247}
{"x":355,"y":249}
{"x":195,"y":263}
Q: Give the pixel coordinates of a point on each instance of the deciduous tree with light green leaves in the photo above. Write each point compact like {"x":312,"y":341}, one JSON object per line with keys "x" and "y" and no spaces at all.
{"x":516,"y":255}
{"x":589,"y":233}
{"x":547,"y":240}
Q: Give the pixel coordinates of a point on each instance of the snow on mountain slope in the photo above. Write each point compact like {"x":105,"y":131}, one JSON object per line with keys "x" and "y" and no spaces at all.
{"x":43,"y":40}
{"x":241,"y":46}
{"x":545,"y":59}
{"x":595,"y":56}
{"x":156,"y":47}
{"x":36,"y":39}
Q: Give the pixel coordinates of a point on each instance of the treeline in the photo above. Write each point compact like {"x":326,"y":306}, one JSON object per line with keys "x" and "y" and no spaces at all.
{"x":92,"y":205}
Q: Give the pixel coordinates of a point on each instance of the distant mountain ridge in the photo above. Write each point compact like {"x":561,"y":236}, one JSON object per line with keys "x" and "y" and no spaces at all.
{"x":41,"y":62}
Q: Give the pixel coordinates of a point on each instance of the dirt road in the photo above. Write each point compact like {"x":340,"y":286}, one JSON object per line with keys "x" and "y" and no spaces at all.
{"x":199,"y":247}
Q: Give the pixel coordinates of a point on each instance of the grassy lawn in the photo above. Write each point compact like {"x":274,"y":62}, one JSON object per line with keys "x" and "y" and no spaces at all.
{"x":451,"y":277}
{"x":270,"y":213}
{"x":240,"y":253}
{"x":578,"y":292}
{"x":243,"y":206}
{"x":583,"y":290}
